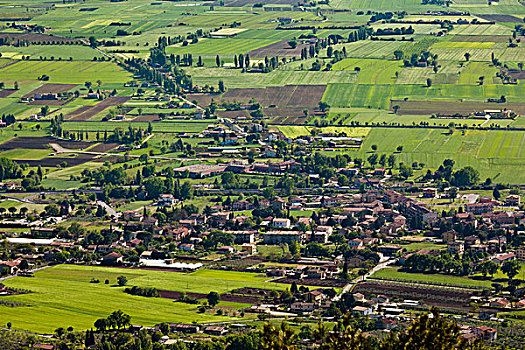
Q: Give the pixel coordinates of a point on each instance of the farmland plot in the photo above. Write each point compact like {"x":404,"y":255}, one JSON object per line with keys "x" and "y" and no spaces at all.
{"x":480,"y":29}
{"x":60,"y":72}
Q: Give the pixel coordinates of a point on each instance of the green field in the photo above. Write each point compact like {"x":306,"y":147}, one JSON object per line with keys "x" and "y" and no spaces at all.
{"x":169,"y":126}
{"x":296,"y":131}
{"x":75,"y":72}
{"x":394,"y":273}
{"x":371,"y":71}
{"x":63,"y":52}
{"x":64,"y":297}
{"x":496,"y":154}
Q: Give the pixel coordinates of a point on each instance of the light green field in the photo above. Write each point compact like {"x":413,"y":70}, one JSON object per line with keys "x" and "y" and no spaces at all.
{"x":76,"y":72}
{"x":495,"y":154}
{"x":394,"y":273}
{"x":372,"y":71}
{"x":220,"y":46}
{"x":507,"y":54}
{"x":8,"y":203}
{"x":64,"y":297}
{"x":64,"y":52}
{"x":233,"y":78}
{"x":389,"y":5}
{"x":372,"y":49}
{"x":379,"y":95}
{"x":480,"y":29}
{"x":463,"y":45}
{"x":29,"y":154}
{"x":171,"y":126}
{"x":296,"y":131}
{"x":474,"y":70}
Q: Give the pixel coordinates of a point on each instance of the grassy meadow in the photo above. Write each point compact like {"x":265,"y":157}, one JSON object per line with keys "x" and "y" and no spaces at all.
{"x":63,"y":296}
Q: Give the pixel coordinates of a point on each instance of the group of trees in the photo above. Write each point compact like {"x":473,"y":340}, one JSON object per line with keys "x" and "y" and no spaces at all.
{"x":8,"y":119}
{"x":466,"y":176}
{"x":9,"y":169}
{"x":116,"y":320}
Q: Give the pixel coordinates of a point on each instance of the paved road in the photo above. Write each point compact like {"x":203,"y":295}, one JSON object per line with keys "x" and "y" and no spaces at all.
{"x":378,"y":267}
{"x":109,"y":210}
{"x":33,"y":270}
{"x":60,"y":149}
{"x":21,"y":200}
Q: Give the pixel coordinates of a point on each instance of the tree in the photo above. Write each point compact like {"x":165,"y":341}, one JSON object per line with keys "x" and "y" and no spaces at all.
{"x":467,"y":176}
{"x":399,"y":149}
{"x":398,"y":54}
{"x":218,"y":61}
{"x":213,"y":298}
{"x":395,"y":108}
{"x":453,"y":192}
{"x":122,"y":280}
{"x":496,"y":194}
{"x":44,"y":110}
{"x":292,"y":44}
{"x":92,"y":41}
{"x":391,"y":160}
{"x":323,"y":106}
{"x":429,"y":333}
{"x":467,"y":56}
{"x":489,"y":268}
{"x":24,"y":265}
{"x":511,"y":268}
{"x":221,"y":86}
{"x":405,"y":171}
{"x":374,"y":148}
{"x":101,"y":324}
{"x":372,"y":159}
{"x":429,"y":82}
{"x":278,"y":338}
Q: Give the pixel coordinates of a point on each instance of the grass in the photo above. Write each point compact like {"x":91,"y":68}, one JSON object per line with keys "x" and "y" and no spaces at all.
{"x":175,"y":126}
{"x":61,"y":71}
{"x":28,"y":154}
{"x":76,"y":52}
{"x":296,"y":131}
{"x":64,"y":297}
{"x":220,"y":46}
{"x":459,"y":281}
{"x":496,"y":154}
{"x":372,"y":71}
{"x":413,"y":247}
{"x":234,"y":78}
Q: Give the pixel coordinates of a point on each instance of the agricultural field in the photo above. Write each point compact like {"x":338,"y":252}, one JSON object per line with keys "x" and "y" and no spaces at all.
{"x":60,"y":72}
{"x":395,"y":274}
{"x":79,"y":303}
